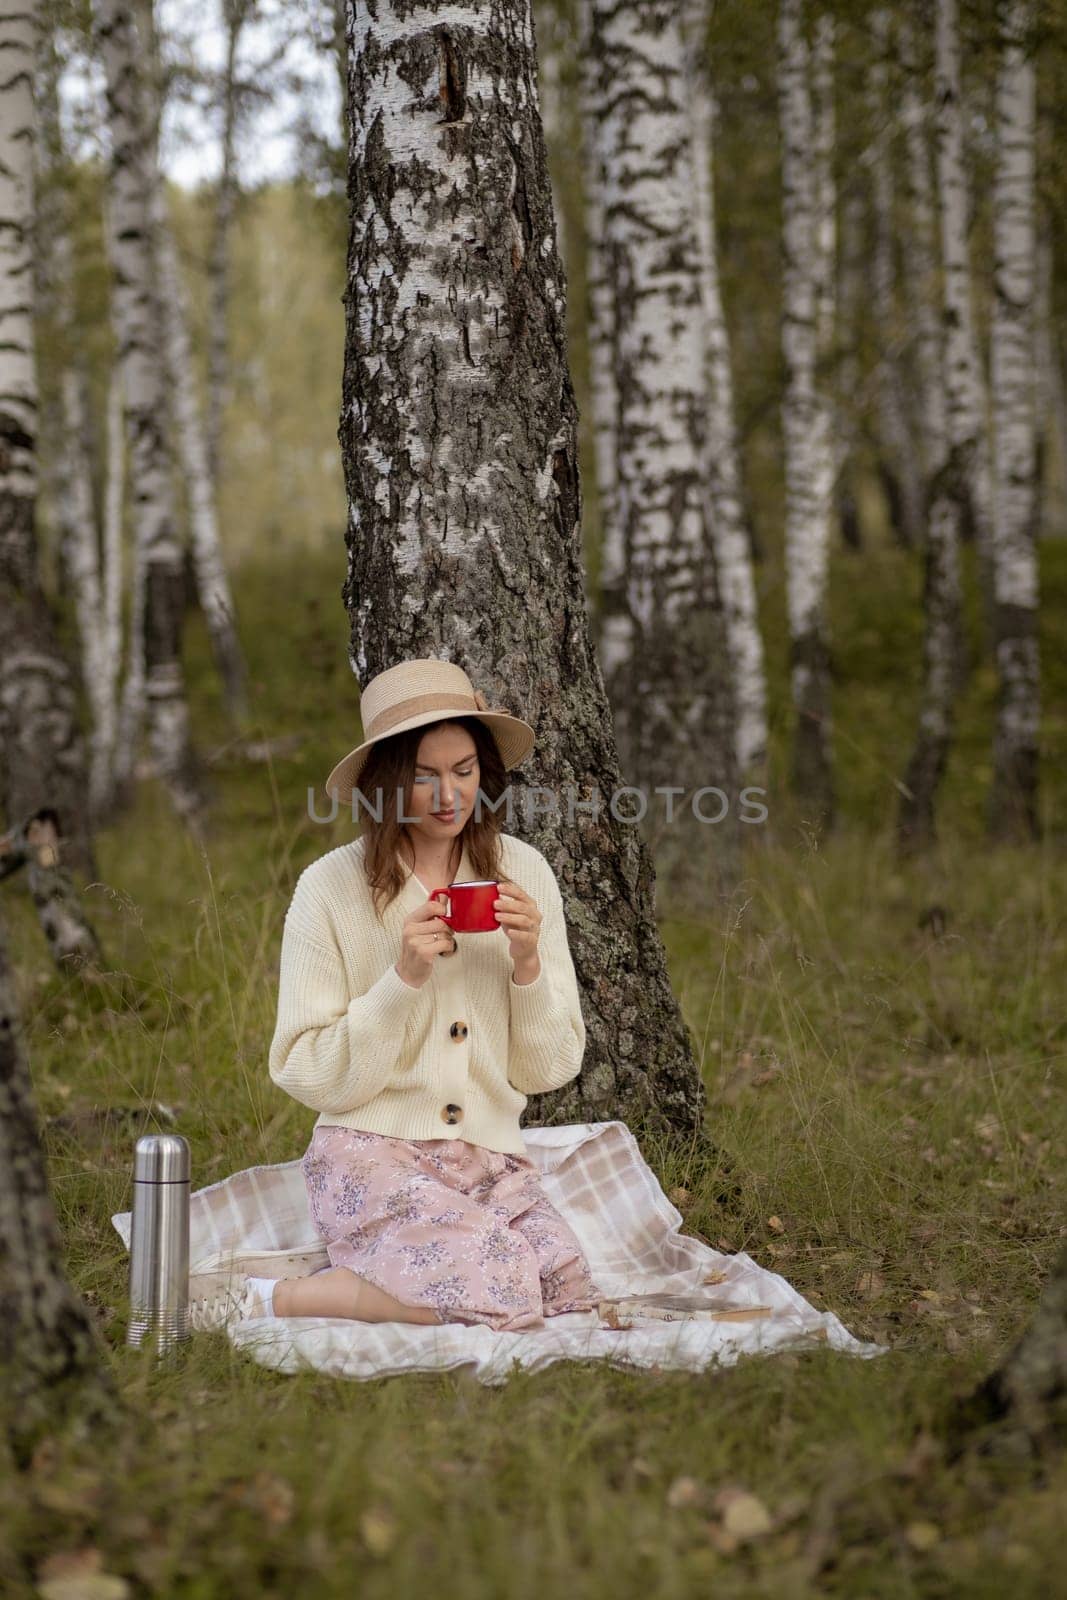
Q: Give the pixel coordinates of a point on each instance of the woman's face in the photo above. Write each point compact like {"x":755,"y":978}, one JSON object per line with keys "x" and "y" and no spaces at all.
{"x":446,"y":780}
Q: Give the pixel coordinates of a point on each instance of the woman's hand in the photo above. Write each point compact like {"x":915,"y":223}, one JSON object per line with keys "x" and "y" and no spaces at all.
{"x":424,"y":937}
{"x":519,"y":916}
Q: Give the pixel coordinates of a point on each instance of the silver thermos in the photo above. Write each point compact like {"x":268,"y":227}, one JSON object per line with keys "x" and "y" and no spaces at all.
{"x":159,"y":1242}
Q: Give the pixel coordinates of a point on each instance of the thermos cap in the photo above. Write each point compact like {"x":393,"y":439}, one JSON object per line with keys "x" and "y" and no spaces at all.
{"x":161,"y":1158}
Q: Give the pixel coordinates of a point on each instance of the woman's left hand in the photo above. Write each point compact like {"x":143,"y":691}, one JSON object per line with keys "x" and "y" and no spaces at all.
{"x":520,"y":918}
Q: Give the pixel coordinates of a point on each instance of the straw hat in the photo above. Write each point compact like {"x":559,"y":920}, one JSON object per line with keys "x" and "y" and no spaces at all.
{"x":418,"y":692}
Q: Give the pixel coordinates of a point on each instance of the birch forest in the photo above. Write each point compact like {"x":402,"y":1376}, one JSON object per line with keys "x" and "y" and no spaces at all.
{"x":693,"y":374}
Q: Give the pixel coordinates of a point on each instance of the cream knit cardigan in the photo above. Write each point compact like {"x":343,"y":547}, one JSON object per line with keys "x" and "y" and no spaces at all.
{"x":366,"y":1050}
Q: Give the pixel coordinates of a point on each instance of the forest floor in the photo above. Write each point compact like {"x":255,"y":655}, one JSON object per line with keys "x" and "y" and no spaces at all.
{"x":888,"y":1084}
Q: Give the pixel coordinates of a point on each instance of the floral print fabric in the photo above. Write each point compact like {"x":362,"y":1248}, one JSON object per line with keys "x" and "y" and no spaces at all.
{"x":446,"y":1224}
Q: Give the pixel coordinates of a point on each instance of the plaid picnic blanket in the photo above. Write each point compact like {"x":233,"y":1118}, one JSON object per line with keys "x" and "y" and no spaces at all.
{"x":594,"y":1173}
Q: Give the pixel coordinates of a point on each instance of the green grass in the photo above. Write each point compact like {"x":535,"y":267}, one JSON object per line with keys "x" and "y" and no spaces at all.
{"x":890,"y":1097}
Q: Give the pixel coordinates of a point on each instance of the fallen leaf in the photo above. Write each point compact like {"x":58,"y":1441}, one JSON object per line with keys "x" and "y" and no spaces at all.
{"x":679,"y":1197}
{"x":685,"y":1492}
{"x":742,"y":1514}
{"x":776,"y":1224}
{"x":922,"y":1535}
{"x":274,"y":1497}
{"x":714,"y":1277}
{"x":869,"y":1285}
{"x":71,"y":1563}
{"x":377,"y":1526}
{"x":86,"y":1586}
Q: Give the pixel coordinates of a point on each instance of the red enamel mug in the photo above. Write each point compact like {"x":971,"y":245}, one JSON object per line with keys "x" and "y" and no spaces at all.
{"x":470,"y":906}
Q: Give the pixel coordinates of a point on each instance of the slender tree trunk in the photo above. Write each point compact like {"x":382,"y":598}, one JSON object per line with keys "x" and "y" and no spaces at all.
{"x":944,"y":493}
{"x":212,"y":581}
{"x":112,"y":554}
{"x":964,"y":384}
{"x":1013,"y":799}
{"x":235,"y":13}
{"x":71,"y":456}
{"x":42,"y":754}
{"x":554,"y":37}
{"x":47,"y":1346}
{"x":899,"y":457}
{"x":614,"y":625}
{"x":677,"y":706}
{"x":849,"y":412}
{"x":1052,"y":397}
{"x":459,"y":438}
{"x":138,"y":315}
{"x":732,"y":548}
{"x":806,"y":422}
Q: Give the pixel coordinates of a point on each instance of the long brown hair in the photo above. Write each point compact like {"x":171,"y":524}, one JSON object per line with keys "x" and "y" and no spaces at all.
{"x":390,"y":767}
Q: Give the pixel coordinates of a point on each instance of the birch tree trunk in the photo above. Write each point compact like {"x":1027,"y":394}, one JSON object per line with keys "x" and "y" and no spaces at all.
{"x":849,"y":412}
{"x":964,"y":385}
{"x":212,"y":581}
{"x":554,"y":39}
{"x":806,"y":422}
{"x":113,"y":549}
{"x":70,"y":453}
{"x":677,"y":711}
{"x":459,"y":437}
{"x":732,"y":548}
{"x":235,"y":15}
{"x":46,"y":1339}
{"x":944,"y":495}
{"x":158,"y":567}
{"x":1014,"y":795}
{"x":42,"y":754}
{"x":614,"y":625}
{"x":49,"y":1353}
{"x":898,"y":454}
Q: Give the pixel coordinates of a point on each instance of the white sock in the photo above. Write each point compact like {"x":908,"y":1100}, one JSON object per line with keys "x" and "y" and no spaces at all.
{"x":263,"y":1288}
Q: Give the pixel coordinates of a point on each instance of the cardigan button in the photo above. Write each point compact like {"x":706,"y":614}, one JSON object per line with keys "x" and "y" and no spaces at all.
{"x":452,"y":1113}
{"x":458,"y":1030}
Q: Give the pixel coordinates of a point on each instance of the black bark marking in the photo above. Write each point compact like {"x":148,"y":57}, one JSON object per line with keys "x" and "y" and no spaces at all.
{"x":453,"y":90}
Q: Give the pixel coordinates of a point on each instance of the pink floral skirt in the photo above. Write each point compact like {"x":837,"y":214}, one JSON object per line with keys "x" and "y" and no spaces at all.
{"x":447,"y":1224}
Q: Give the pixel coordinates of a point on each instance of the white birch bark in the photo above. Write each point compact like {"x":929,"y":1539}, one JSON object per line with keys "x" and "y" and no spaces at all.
{"x":732,"y":548}
{"x":615,"y":631}
{"x":212,"y":581}
{"x":964,"y":383}
{"x":42,"y":756}
{"x":899,"y":458}
{"x":72,"y":465}
{"x":678,"y":716}
{"x":235,"y":15}
{"x":919,"y":257}
{"x":806,"y":418}
{"x":112,"y":552}
{"x":942,"y":600}
{"x":553,"y":40}
{"x":158,"y":567}
{"x":1013,"y":800}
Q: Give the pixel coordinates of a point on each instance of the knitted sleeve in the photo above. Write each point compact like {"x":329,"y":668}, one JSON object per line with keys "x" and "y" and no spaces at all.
{"x":547,"y":1039}
{"x":332,"y":1051}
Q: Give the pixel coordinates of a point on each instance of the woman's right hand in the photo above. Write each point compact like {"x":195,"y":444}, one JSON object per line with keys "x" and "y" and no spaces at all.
{"x":419,"y":948}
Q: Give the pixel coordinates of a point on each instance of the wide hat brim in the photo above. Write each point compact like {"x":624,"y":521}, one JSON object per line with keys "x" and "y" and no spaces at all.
{"x":514,"y":739}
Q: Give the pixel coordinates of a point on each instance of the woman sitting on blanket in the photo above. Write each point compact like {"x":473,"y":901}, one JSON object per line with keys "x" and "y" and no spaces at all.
{"x":417,"y":1047}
